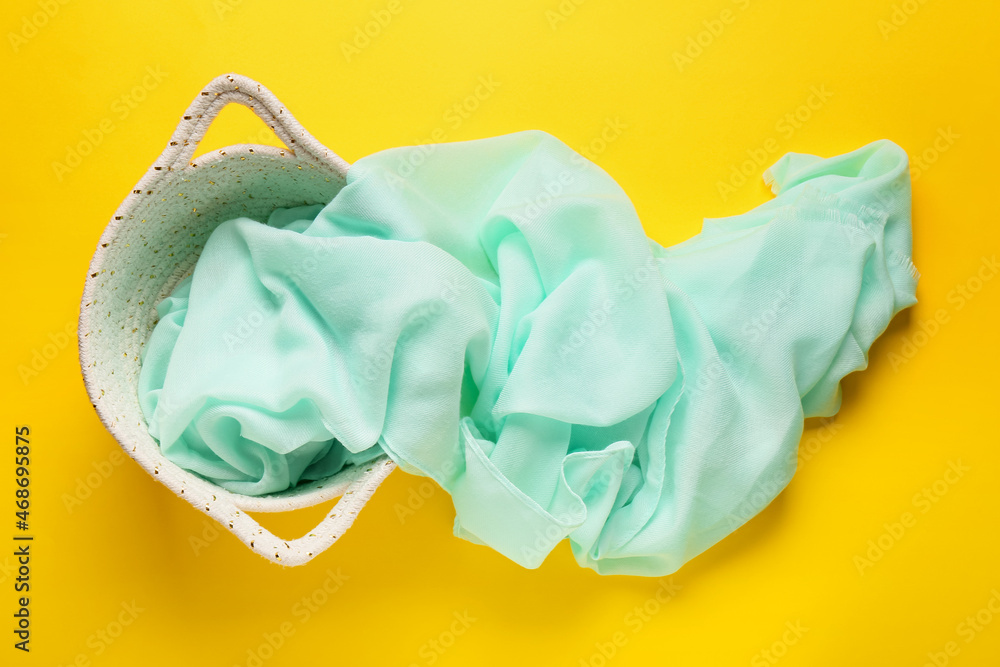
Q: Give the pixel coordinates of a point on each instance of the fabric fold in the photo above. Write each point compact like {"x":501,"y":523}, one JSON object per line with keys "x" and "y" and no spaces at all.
{"x":496,"y":319}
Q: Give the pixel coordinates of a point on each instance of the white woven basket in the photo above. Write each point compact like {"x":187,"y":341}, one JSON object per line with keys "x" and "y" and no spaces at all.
{"x":151,"y":243}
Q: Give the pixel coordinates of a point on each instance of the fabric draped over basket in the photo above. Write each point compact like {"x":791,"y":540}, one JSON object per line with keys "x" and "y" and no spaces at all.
{"x":493,"y":316}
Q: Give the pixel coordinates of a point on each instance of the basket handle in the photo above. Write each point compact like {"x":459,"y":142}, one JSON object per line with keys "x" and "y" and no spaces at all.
{"x":230,"y":511}
{"x":358,"y":484}
{"x":230,"y":88}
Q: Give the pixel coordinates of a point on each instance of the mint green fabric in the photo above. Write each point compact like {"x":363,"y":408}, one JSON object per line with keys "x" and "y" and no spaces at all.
{"x":496,"y":319}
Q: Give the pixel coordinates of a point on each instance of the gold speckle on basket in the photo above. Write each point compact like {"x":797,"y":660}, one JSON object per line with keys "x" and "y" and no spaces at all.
{"x":251,"y":544}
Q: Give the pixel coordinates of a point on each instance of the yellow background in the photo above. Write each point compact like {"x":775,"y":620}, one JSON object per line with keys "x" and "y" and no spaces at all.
{"x":571,"y":69}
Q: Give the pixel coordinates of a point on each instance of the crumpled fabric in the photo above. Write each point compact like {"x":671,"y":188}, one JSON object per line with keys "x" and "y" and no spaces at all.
{"x":491,"y":314}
